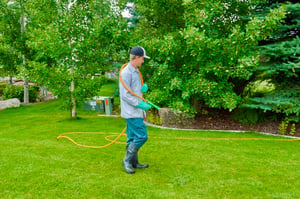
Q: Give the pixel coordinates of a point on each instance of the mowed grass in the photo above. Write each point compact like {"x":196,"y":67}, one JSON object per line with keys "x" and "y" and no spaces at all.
{"x":34,"y":164}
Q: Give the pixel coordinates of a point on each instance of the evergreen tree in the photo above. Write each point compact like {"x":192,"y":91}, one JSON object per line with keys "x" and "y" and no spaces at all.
{"x":280,"y":64}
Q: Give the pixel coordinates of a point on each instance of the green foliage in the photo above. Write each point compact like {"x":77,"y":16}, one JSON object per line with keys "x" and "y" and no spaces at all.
{"x":282,"y":100}
{"x":283,"y":127}
{"x":281,"y":60}
{"x":153,"y":117}
{"x":15,"y":21}
{"x":77,"y":41}
{"x":12,"y":91}
{"x":247,"y":116}
{"x":110,"y":88}
{"x":258,"y":88}
{"x":280,"y":64}
{"x":11,"y":42}
{"x":206,"y":53}
{"x":2,"y":87}
{"x":293,"y":129}
{"x":57,"y":80}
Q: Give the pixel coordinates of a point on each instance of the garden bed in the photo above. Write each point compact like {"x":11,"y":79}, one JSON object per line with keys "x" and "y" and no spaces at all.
{"x":224,"y":121}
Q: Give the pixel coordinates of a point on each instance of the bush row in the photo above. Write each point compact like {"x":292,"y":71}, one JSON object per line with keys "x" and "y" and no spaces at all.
{"x":12,"y":91}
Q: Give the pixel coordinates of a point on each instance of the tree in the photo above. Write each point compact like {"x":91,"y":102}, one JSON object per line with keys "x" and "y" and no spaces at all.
{"x":8,"y":60}
{"x":202,"y":51}
{"x":81,"y":40}
{"x":13,"y":36}
{"x":280,"y":64}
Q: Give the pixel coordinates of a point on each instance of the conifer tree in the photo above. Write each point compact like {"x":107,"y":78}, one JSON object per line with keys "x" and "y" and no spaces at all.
{"x":280,"y":63}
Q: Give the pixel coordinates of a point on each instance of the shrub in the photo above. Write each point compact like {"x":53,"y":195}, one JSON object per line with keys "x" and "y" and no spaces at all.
{"x":12,"y":91}
{"x":293,"y":129}
{"x":288,"y":126}
{"x":153,"y":117}
{"x":247,"y":116}
{"x":2,"y":87}
{"x":283,"y":127}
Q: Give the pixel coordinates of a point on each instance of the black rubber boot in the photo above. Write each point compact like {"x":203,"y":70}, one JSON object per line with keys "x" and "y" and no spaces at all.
{"x":127,"y":161}
{"x":136,"y":164}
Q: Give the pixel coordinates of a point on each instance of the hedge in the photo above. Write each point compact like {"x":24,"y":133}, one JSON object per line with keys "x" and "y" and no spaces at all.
{"x":12,"y":91}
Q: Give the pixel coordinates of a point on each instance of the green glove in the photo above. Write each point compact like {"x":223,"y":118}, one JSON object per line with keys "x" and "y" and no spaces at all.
{"x":144,"y":105}
{"x":144,"y":88}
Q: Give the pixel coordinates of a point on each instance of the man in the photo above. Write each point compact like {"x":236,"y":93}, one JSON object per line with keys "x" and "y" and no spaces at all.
{"x":133,"y":109}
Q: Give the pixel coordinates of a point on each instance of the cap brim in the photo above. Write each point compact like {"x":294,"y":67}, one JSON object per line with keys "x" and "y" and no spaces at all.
{"x":145,"y":56}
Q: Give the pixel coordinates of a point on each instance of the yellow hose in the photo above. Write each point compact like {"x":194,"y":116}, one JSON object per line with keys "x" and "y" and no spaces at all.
{"x":155,"y":137}
{"x":92,"y":147}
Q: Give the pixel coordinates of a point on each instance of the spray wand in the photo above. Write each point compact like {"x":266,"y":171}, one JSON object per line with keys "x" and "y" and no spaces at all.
{"x":153,"y":105}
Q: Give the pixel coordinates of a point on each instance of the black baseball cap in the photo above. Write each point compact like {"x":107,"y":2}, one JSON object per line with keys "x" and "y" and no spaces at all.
{"x":139,"y":51}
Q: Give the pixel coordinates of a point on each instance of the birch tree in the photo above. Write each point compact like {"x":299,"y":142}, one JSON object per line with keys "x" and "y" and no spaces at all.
{"x":14,"y":19}
{"x":73,"y":46}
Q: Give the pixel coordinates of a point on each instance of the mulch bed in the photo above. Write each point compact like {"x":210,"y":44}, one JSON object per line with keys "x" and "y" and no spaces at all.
{"x":223,"y":121}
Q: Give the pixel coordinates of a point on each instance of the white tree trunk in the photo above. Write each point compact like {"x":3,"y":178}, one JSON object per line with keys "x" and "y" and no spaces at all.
{"x":10,"y":82}
{"x":44,"y":91}
{"x":73,"y":109}
{"x":72,"y":88}
{"x":23,"y":26}
{"x":26,"y":90}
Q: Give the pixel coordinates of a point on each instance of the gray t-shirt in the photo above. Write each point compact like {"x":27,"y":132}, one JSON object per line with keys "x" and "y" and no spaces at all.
{"x":132,"y":80}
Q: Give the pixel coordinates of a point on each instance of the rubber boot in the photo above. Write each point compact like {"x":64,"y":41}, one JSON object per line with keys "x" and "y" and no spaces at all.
{"x":136,"y":164}
{"x":127,"y":161}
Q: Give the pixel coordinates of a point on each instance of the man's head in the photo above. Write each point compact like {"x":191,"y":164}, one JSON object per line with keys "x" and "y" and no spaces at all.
{"x":139,"y":51}
{"x":137,"y":55}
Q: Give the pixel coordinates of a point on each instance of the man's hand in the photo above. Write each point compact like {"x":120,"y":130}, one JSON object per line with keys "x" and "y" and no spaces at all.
{"x":144,"y":105}
{"x":144,"y":88}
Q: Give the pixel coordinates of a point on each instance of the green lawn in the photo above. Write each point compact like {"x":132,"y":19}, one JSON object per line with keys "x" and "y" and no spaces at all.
{"x":34,"y":164}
